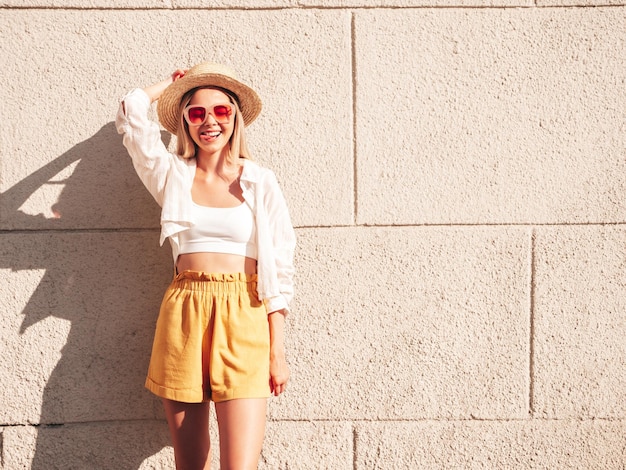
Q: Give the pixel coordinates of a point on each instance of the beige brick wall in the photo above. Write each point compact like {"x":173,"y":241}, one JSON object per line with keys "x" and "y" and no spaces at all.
{"x":456,"y":171}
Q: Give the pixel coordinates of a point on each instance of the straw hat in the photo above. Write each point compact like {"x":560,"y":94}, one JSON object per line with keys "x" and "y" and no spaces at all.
{"x":206,"y":74}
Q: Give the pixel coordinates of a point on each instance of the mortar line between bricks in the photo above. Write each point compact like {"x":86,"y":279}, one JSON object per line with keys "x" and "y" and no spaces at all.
{"x":535,"y":5}
{"x":79,"y":423}
{"x":354,"y":447}
{"x":454,"y":420}
{"x":354,"y":422}
{"x":78,"y":230}
{"x":457,"y":225}
{"x":531,"y":329}
{"x":353,"y":64}
{"x":1,"y":450}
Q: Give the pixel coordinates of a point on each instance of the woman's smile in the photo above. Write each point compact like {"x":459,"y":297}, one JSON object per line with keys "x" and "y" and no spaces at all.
{"x":210,"y":135}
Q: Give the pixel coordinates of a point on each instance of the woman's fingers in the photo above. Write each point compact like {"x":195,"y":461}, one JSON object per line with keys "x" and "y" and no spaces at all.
{"x":279,"y":375}
{"x":178,"y":73}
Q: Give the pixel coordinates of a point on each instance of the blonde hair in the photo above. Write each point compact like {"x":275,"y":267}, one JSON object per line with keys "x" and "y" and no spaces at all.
{"x":186,"y":147}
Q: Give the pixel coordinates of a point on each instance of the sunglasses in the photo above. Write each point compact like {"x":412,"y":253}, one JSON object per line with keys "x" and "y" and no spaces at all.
{"x":196,"y":114}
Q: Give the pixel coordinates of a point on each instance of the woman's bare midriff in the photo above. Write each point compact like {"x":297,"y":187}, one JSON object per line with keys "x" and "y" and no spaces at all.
{"x":216,"y":263}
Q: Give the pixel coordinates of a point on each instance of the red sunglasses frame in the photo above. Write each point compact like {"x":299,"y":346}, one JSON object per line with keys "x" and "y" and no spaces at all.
{"x":210,"y":110}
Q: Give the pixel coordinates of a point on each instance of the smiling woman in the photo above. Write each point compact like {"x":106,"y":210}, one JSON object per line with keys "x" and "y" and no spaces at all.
{"x":220,"y":332}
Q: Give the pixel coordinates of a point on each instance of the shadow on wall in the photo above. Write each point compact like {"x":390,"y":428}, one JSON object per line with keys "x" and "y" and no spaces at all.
{"x":105,"y":274}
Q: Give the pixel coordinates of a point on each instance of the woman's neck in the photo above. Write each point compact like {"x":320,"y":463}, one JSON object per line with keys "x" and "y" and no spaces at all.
{"x":217,"y":164}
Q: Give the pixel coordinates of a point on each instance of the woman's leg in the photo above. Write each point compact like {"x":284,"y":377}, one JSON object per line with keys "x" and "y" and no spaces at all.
{"x":189,"y":428}
{"x":241,"y":424}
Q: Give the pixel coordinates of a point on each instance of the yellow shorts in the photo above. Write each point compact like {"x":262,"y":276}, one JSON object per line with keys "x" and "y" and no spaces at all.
{"x":212,"y":340}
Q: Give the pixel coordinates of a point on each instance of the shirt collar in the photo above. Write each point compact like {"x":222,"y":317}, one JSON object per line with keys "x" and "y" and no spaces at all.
{"x":250,"y":171}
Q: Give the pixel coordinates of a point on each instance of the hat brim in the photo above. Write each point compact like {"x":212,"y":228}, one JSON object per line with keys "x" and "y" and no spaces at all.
{"x":169,"y":102}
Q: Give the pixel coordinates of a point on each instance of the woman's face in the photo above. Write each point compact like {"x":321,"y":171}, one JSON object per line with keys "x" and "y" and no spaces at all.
{"x":213,"y":135}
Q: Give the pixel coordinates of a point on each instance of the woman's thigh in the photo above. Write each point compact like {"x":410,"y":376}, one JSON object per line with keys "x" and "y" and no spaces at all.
{"x":241,"y":424}
{"x":189,"y":428}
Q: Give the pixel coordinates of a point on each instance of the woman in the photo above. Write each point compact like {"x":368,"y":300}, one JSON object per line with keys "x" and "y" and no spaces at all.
{"x":220,"y":332}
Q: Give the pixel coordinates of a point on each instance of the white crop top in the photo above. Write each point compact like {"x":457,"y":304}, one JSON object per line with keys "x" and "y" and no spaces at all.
{"x":221,"y":230}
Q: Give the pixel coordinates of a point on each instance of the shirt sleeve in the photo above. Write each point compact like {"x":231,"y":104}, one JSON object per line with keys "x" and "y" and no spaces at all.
{"x":142,"y":139}
{"x":283,"y":244}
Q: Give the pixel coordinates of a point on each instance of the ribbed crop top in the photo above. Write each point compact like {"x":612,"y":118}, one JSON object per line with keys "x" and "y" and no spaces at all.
{"x":229,"y":230}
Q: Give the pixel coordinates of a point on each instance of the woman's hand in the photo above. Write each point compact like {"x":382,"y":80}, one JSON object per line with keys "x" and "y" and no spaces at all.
{"x":178,"y":73}
{"x":154,"y":91}
{"x":279,"y":372}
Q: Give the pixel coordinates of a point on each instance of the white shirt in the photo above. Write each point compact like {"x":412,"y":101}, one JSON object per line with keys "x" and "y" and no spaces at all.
{"x":169,"y":178}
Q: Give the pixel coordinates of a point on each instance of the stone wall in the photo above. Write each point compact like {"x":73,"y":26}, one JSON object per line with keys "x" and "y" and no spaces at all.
{"x":456,"y":171}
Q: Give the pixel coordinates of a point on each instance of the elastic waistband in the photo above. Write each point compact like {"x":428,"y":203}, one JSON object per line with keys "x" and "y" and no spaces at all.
{"x":198,"y":280}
